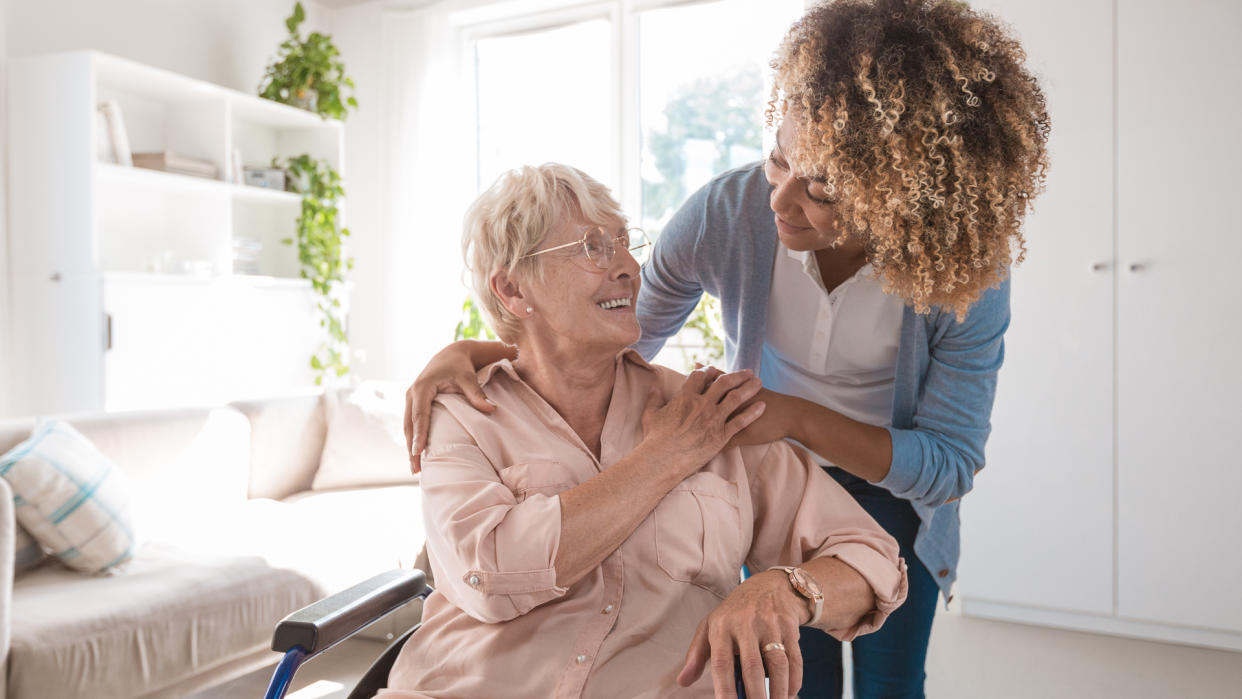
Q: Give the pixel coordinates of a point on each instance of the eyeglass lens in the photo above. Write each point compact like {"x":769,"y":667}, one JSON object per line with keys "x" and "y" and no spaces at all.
{"x":601,"y":247}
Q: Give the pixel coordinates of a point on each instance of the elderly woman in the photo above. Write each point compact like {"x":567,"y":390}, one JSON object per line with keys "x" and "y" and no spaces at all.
{"x":588,"y":535}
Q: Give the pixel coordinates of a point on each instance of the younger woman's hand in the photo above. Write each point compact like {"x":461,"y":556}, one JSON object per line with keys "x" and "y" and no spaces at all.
{"x":777,"y":421}
{"x":701,"y":418}
{"x":451,"y":370}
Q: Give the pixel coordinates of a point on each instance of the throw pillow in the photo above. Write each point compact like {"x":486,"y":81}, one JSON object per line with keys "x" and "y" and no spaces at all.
{"x":70,"y":497}
{"x":28,"y":554}
{"x":366,"y":441}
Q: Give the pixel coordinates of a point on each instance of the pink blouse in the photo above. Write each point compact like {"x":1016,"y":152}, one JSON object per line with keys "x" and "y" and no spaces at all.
{"x":499,"y":626}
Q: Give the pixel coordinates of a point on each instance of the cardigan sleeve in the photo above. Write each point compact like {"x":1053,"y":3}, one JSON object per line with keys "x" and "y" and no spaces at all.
{"x":935,"y":459}
{"x":670,"y":284}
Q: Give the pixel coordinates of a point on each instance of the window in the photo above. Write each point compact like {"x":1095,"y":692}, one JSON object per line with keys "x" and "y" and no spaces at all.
{"x":541,"y":98}
{"x":651,"y":98}
{"x":704,"y":82}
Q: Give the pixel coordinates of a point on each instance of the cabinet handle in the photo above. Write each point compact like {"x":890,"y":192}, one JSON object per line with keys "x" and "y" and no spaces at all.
{"x":1101,"y":266}
{"x":1138,"y":266}
{"x":107,"y":331}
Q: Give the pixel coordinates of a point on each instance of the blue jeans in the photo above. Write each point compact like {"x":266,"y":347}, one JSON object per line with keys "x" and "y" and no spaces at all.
{"x":888,"y":662}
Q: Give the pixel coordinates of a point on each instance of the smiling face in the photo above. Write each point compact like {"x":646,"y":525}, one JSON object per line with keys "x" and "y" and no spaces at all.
{"x":804,"y":210}
{"x":577,"y":307}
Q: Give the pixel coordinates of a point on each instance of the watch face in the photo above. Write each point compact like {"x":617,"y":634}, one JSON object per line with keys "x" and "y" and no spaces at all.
{"x":808,"y":586}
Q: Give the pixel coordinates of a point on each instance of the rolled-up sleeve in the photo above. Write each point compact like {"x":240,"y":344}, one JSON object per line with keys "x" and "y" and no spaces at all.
{"x":493,"y":554}
{"x":801,"y":514}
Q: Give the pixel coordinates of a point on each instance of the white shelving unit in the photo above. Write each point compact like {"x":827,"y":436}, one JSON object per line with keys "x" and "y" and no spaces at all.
{"x":125,"y":292}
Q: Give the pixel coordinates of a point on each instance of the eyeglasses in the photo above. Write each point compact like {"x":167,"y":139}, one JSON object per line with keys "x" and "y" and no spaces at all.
{"x":601,"y":248}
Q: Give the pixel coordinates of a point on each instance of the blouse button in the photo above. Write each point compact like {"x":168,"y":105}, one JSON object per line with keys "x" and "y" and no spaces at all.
{"x":944,"y":572}
{"x":608,"y":609}
{"x":581,"y":658}
{"x":474,"y":580}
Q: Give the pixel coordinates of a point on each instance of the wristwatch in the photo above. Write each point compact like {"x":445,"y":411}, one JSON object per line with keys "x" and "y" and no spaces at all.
{"x":806,"y":586}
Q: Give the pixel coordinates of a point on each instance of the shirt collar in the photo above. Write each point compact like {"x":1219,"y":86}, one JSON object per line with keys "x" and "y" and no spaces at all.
{"x":486,"y":373}
{"x":811,"y":266}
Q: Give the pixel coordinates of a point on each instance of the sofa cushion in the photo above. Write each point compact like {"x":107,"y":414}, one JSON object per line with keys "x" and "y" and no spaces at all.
{"x":335,"y":538}
{"x":70,"y":497}
{"x":366,"y":440}
{"x":184,"y":465}
{"x":167,"y":615}
{"x":286,"y":440}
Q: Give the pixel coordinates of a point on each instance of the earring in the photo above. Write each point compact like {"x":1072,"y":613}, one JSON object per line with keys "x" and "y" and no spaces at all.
{"x":529,"y":309}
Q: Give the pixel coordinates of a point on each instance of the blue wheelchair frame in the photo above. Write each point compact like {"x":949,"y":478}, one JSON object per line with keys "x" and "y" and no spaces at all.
{"x":314,"y":629}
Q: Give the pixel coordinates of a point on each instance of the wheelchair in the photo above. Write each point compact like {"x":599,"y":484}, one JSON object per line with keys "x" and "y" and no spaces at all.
{"x":314,"y":629}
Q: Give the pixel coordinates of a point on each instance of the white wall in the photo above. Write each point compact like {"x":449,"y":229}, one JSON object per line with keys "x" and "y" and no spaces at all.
{"x":4,"y":224}
{"x":391,"y":326}
{"x":356,"y":30}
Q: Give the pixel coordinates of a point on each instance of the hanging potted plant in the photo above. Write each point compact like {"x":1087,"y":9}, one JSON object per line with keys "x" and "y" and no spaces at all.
{"x":322,"y":257}
{"x":308,"y":73}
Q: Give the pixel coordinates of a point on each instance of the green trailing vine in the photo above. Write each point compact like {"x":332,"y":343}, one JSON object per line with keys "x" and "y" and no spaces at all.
{"x":308,"y":73}
{"x":472,"y":326}
{"x":705,"y":322}
{"x":321,"y":256}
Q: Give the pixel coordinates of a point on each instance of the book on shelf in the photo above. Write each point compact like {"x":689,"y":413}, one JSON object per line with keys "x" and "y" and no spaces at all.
{"x":169,"y":161}
{"x":113,"y":140}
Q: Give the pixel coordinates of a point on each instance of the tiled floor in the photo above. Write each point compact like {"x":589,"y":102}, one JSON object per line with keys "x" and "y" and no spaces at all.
{"x":969,"y":659}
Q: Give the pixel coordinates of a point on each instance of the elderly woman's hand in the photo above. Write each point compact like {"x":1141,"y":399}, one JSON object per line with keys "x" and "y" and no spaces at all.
{"x":779,"y":415}
{"x":761,"y":612}
{"x":701,"y":418}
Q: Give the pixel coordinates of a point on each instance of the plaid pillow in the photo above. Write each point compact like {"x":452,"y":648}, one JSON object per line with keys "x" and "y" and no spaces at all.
{"x":70,"y":497}
{"x":28,"y":553}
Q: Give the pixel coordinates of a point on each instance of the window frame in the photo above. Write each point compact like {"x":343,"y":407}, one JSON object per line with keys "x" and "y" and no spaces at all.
{"x":527,"y":16}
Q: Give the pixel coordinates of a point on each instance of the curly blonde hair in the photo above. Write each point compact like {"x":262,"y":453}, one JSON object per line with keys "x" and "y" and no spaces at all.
{"x":929,"y":133}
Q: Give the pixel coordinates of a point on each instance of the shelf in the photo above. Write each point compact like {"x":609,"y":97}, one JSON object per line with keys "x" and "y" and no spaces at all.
{"x":144,"y":177}
{"x":156,"y":83}
{"x":264,"y":112}
{"x":243,"y":192}
{"x":251,"y":280}
{"x":148,"y":81}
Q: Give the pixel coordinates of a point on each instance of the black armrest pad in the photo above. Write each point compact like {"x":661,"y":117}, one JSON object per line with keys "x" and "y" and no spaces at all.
{"x":325,"y":623}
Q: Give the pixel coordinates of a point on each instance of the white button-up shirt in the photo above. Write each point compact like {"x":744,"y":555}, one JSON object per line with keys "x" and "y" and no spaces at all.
{"x":837,"y":349}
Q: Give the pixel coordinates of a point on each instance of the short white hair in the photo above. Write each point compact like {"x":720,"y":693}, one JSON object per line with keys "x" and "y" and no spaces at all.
{"x":512,"y":218}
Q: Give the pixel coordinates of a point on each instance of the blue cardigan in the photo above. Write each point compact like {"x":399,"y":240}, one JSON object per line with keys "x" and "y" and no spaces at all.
{"x":723,"y":241}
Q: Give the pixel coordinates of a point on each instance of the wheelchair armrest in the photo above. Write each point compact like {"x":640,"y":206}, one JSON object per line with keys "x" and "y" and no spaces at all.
{"x":331,"y":620}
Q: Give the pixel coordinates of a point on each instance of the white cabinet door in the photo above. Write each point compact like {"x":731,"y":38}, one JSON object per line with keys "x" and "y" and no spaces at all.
{"x":1038,"y":528}
{"x":1179,"y":395}
{"x":59,"y":335}
{"x":164,"y":336}
{"x":185,"y":341}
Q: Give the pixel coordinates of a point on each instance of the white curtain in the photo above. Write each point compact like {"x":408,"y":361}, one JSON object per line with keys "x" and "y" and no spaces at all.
{"x":429,"y":180}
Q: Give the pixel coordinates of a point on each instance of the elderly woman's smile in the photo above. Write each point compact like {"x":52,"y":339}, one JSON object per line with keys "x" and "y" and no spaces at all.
{"x":589,"y":263}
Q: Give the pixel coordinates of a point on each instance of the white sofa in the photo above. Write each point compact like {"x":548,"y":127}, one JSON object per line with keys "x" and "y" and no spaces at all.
{"x":233,"y":538}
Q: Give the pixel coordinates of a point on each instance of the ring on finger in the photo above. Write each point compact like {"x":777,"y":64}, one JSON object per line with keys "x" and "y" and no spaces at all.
{"x":769,"y":647}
